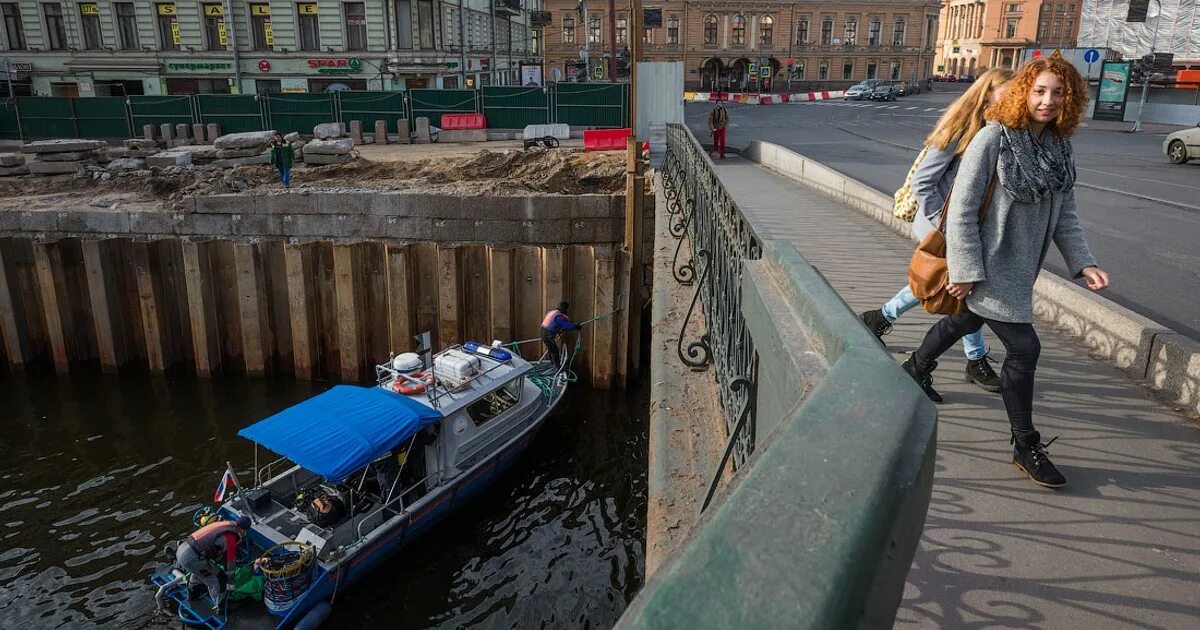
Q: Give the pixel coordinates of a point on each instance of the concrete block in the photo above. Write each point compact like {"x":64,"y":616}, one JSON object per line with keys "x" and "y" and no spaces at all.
{"x":198,"y":133}
{"x":152,"y":222}
{"x":321,"y":225}
{"x":500,"y":231}
{"x":546,"y":207}
{"x":183,"y":131}
{"x":147,"y":133}
{"x":262,"y":158}
{"x":54,"y":168}
{"x":450,"y":230}
{"x":204,"y":225}
{"x":292,"y":138}
{"x":61,"y":146}
{"x":405,"y":136}
{"x":125,"y":165}
{"x":319,"y":159}
{"x":66,"y":156}
{"x":341,"y":146}
{"x":439,"y":206}
{"x":11,"y":159}
{"x":244,"y":140}
{"x":329,"y":131}
{"x":212,"y":131}
{"x":229,"y":204}
{"x":422,"y":130}
{"x":558,"y":130}
{"x":342,"y":202}
{"x":463,"y":135}
{"x":289,"y":203}
{"x":93,"y":222}
{"x":1175,"y":370}
{"x":201,"y":152}
{"x":356,"y":131}
{"x":38,"y":221}
{"x":368,"y":139}
{"x":165,"y":159}
{"x":409,"y":228}
{"x":225,"y":154}
{"x":381,"y":132}
{"x":10,"y":220}
{"x":13,"y":171}
{"x":254,"y":224}
{"x":388,"y":204}
{"x":166,"y":133}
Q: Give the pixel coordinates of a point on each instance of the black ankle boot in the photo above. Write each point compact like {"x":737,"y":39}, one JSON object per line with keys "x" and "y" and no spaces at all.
{"x":923,"y":378}
{"x":876,"y":323}
{"x":981,"y":373}
{"x":1029,"y":456}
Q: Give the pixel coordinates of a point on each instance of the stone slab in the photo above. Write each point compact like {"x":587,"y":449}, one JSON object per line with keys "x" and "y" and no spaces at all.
{"x":320,"y":159}
{"x":124,"y":165}
{"x":93,"y":221}
{"x":244,"y":140}
{"x":292,"y":137}
{"x":198,"y":132}
{"x":381,"y":132}
{"x":67,"y":156}
{"x":329,"y":131}
{"x":463,"y":135}
{"x":1174,"y":370}
{"x":11,"y":159}
{"x":61,"y":146}
{"x":212,"y":131}
{"x":262,"y":158}
{"x":224,"y":154}
{"x":341,"y":146}
{"x":55,"y":168}
{"x":422,"y":134}
{"x":558,"y":130}
{"x":13,"y":171}
{"x":405,"y":136}
{"x":356,"y":131}
{"x":165,"y":159}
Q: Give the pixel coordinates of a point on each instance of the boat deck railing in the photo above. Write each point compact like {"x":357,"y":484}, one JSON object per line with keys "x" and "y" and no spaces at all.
{"x":398,"y":499}
{"x":435,"y":396}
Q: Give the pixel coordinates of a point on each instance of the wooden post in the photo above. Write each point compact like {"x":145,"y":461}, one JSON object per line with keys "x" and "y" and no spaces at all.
{"x":449,"y":294}
{"x":635,"y":184}
{"x":621,"y":320}
{"x":148,"y":306}
{"x":602,"y":333}
{"x":248,"y":308}
{"x":8,"y":319}
{"x":45,"y":279}
{"x":192,"y":280}
{"x":528,"y":301}
{"x":293,"y":262}
{"x":400,"y":304}
{"x":347,"y":321}
{"x":502,"y":295}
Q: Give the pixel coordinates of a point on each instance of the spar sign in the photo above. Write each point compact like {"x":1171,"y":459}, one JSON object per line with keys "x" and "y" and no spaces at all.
{"x":335,"y":66}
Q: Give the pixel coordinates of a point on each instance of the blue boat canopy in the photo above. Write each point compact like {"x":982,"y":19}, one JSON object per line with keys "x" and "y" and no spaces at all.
{"x":341,"y":430}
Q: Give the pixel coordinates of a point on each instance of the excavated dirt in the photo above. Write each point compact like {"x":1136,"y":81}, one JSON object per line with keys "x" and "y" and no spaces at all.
{"x":494,"y":173}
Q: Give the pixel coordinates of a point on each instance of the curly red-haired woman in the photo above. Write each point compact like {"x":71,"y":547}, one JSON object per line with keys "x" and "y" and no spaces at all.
{"x":1025,"y":154}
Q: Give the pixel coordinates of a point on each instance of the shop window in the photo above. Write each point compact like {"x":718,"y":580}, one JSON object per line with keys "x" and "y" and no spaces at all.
{"x":356,"y":25}
{"x":127,"y":30}
{"x":214,"y":26}
{"x":310,"y":27}
{"x":89,"y":24}
{"x":14,"y":29}
{"x":56,"y":32}
{"x":267,"y":86}
{"x":168,"y":27}
{"x":261,"y":34}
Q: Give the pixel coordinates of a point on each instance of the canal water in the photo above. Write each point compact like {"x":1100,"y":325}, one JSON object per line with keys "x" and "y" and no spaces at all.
{"x":98,"y":473}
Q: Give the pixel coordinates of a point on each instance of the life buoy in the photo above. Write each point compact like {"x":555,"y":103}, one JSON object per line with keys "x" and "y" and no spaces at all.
{"x":404,"y":386}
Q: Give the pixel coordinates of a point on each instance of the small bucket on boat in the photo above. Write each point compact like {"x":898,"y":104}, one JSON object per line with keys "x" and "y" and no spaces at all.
{"x":288,"y":568}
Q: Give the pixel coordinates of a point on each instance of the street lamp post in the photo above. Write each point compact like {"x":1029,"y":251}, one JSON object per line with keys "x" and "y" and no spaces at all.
{"x":1156,"y":7}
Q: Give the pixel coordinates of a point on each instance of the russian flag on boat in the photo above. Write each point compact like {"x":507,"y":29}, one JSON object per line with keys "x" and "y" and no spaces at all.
{"x":228,"y":480}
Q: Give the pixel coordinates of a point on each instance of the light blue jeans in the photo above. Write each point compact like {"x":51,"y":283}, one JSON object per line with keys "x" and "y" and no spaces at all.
{"x":904,"y":300}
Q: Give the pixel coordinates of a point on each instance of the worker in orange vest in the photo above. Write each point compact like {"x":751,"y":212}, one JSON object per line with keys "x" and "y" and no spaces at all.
{"x":197,"y":553}
{"x":554,"y":323}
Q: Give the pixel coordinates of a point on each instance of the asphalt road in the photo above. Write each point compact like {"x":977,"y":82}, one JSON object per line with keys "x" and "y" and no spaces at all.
{"x":1141,"y":213}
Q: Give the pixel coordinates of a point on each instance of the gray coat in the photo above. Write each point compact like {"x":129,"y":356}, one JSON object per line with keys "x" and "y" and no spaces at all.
{"x":1004,"y":254}
{"x":930,"y":184}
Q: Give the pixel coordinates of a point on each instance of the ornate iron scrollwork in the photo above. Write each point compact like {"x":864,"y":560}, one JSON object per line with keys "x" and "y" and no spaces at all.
{"x":698,"y":353}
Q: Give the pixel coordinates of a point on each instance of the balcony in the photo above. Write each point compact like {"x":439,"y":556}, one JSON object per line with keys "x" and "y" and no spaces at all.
{"x":508,"y":7}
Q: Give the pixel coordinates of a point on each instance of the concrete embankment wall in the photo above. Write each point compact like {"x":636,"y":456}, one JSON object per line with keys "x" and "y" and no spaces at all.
{"x":1163,"y":359}
{"x":241,"y":284}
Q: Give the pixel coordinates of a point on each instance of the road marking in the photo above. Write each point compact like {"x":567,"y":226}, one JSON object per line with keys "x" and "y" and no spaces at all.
{"x":929,"y":109}
{"x":908,"y":108}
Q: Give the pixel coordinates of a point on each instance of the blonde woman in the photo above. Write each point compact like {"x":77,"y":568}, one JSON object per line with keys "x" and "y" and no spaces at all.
{"x":931,"y":183}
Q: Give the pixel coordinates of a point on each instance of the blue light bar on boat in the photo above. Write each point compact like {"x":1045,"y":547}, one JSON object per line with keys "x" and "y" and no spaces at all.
{"x":341,"y":430}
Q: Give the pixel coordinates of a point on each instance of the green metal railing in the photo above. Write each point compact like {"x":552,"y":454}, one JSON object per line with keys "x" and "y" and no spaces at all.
{"x":602,"y":105}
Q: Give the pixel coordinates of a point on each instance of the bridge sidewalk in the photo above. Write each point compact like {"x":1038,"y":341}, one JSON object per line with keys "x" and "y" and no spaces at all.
{"x":1118,"y":547}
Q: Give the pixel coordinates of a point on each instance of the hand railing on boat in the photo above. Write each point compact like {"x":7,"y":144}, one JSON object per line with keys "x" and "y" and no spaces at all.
{"x":399,"y":498}
{"x":267,"y":473}
{"x":382,"y":372}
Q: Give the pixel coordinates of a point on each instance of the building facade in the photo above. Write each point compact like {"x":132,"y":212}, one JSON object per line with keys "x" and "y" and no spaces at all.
{"x":980,"y":34}
{"x":723,"y":44}
{"x":104,"y":47}
{"x":1103,"y":25}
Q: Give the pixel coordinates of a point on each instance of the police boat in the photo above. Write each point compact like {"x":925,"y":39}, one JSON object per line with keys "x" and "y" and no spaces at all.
{"x":361,"y":473}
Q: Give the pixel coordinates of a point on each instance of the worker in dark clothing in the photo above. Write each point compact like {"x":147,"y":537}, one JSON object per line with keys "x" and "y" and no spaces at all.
{"x":554,"y":323}
{"x":282,"y":156}
{"x":215,"y":541}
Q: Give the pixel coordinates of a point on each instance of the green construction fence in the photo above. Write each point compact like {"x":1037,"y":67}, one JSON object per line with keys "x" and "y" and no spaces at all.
{"x":601,"y":105}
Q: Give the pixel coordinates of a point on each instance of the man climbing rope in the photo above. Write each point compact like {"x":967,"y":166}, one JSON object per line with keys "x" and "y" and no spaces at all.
{"x":198,"y":552}
{"x":554,"y":323}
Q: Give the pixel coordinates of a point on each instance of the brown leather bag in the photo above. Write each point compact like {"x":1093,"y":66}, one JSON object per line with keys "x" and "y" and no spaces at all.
{"x":928,"y":274}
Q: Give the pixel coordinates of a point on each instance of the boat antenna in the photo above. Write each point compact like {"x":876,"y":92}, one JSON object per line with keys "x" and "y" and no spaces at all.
{"x":424,"y":348}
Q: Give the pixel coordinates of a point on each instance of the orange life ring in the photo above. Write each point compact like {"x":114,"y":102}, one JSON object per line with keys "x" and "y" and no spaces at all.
{"x":404,"y":386}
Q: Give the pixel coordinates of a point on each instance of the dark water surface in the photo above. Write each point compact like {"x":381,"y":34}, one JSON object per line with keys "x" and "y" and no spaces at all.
{"x":98,"y":473}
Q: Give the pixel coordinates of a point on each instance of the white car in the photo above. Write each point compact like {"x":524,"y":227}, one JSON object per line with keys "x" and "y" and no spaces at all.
{"x":857,"y":92}
{"x":1183,"y":145}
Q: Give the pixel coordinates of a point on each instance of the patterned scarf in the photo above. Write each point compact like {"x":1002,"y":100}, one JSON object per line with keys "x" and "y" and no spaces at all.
{"x":1029,"y":166}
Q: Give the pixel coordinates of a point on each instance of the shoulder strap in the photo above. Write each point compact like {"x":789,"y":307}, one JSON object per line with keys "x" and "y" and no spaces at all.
{"x":987,"y":201}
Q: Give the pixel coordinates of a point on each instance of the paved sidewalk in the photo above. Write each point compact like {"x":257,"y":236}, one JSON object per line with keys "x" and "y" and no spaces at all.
{"x":1119,"y":547}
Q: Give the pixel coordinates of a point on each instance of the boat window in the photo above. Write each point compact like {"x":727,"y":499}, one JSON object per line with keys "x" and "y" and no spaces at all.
{"x":496,"y":403}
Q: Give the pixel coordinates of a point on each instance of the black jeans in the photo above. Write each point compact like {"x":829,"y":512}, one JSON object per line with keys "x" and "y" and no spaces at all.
{"x":1016,"y":376}
{"x":550,"y":340}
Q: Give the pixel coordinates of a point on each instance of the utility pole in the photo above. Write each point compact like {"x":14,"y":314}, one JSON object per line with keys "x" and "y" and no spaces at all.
{"x":231,"y":28}
{"x":462,"y":49}
{"x":1157,"y":8}
{"x":612,"y":53}
{"x":635,"y":54}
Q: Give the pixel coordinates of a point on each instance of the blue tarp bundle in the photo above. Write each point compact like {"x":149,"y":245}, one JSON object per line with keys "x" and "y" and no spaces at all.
{"x":338,"y":432}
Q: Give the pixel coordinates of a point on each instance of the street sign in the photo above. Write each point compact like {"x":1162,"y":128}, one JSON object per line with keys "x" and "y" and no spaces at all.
{"x":598,"y":72}
{"x":766,"y":72}
{"x":1114,"y":88}
{"x":1091,"y":56}
{"x":753,"y":68}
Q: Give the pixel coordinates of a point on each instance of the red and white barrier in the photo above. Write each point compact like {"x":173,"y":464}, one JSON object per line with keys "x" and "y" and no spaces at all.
{"x":761,"y":99}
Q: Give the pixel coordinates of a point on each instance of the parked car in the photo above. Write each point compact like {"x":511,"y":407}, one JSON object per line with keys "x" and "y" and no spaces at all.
{"x":1183,"y":145}
{"x":857,"y":92}
{"x":882,"y":93}
{"x":966,"y":78}
{"x":904,"y":88}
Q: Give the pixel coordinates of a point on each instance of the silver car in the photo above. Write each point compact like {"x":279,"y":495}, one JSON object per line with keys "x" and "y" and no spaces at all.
{"x":858,"y":92}
{"x":1183,"y":145}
